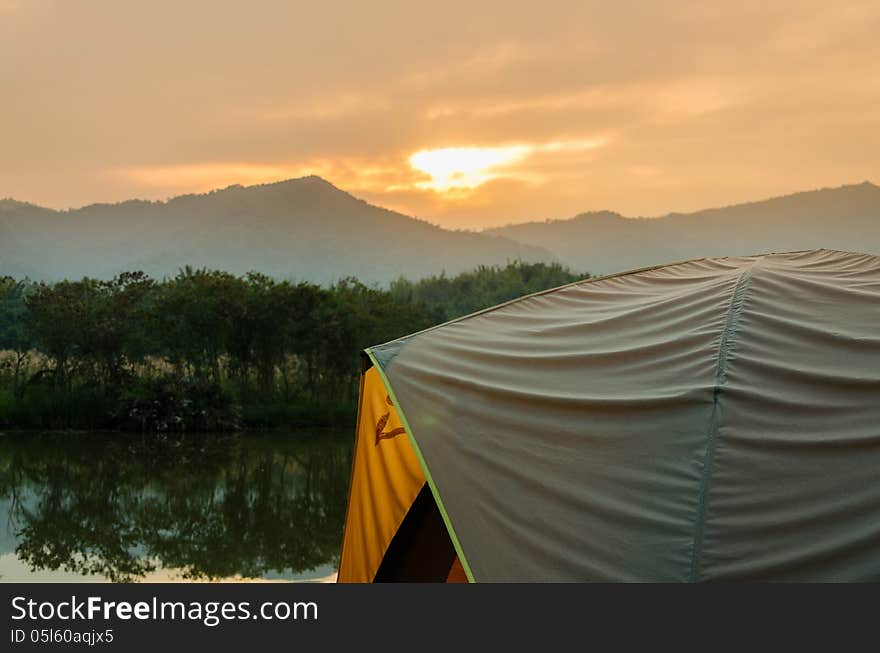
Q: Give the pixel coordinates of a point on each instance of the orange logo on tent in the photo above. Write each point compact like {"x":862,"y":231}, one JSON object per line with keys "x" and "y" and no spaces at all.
{"x":381,"y":434}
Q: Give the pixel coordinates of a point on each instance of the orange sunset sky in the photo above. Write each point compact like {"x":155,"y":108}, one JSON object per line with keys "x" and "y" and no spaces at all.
{"x":467,"y":114}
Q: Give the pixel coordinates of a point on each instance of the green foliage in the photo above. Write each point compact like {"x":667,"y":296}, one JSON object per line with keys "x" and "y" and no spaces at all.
{"x":208,"y":350}
{"x":451,"y":297}
{"x":15,"y":336}
{"x":173,"y":404}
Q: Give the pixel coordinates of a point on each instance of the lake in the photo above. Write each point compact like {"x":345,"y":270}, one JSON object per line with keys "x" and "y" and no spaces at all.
{"x":124,"y":508}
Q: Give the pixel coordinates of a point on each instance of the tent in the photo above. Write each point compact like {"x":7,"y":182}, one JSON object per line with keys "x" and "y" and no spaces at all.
{"x":715,"y":419}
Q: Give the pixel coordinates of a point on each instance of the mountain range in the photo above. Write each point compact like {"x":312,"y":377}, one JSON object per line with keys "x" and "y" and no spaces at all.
{"x":302,"y":229}
{"x":845,"y":218}
{"x":307,"y":229}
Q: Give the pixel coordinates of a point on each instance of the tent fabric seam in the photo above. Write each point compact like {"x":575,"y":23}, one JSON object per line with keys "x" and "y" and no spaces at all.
{"x":434,"y":491}
{"x":728,"y":336}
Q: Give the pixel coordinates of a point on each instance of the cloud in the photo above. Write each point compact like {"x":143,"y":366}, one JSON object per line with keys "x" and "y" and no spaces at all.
{"x":641,"y":110}
{"x":451,"y":170}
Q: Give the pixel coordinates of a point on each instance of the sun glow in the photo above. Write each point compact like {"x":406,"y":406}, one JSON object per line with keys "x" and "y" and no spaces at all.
{"x":463,"y":168}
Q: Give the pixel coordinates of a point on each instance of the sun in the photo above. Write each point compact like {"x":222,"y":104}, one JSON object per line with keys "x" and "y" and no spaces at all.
{"x":463,"y":168}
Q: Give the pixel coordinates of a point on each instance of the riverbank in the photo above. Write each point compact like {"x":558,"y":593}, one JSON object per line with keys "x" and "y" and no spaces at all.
{"x":164,"y":408}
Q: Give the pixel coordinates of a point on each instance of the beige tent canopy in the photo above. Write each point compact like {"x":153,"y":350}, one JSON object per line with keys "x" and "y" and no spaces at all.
{"x":707,"y":420}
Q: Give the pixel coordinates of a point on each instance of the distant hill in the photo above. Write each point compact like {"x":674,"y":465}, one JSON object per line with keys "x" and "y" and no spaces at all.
{"x":305,"y":229}
{"x":846,"y":218}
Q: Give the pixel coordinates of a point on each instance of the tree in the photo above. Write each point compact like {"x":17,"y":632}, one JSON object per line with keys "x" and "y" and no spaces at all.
{"x":59,"y":323}
{"x":193,"y":319}
{"x":15,"y":336}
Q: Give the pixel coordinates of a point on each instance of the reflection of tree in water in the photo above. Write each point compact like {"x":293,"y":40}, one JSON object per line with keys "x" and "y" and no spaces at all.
{"x":118,"y":507}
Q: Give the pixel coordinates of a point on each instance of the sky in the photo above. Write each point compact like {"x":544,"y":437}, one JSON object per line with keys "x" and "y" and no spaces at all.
{"x":466,"y":114}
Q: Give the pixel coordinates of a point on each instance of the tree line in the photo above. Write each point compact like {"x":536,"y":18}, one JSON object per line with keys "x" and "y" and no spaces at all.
{"x":209,"y":350}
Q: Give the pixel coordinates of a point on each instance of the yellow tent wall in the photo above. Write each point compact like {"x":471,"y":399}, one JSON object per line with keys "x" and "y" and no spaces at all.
{"x":386,"y":478}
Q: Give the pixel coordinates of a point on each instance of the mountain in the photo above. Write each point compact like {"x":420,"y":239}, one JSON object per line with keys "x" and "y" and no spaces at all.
{"x":846,"y":218}
{"x":305,"y":229}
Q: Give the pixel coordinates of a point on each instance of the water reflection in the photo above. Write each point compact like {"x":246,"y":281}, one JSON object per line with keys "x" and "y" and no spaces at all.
{"x":125,"y":509}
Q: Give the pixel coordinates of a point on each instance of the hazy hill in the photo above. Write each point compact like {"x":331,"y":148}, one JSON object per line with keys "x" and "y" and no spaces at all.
{"x":302,"y":228}
{"x":846,"y":218}
{"x":309,"y":229}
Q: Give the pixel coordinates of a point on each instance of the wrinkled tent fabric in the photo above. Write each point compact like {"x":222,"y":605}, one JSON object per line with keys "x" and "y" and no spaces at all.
{"x":706,"y":420}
